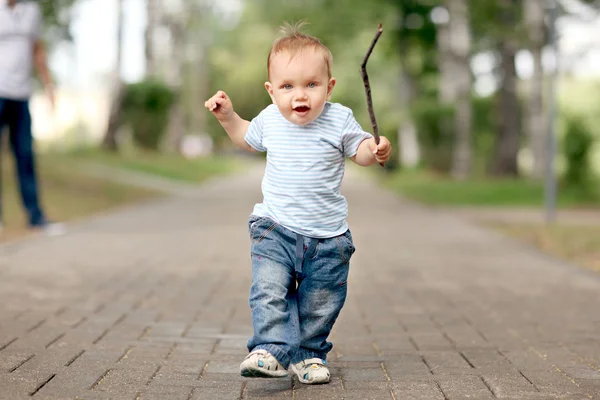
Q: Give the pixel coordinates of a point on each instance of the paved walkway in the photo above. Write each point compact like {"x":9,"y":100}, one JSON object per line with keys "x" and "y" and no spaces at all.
{"x":151,"y":303}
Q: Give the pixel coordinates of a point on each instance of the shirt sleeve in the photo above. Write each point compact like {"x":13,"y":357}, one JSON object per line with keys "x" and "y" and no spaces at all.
{"x":352,"y":136}
{"x":254,"y":134}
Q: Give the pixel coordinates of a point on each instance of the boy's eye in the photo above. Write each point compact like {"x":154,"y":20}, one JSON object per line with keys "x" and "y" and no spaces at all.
{"x":312,"y":85}
{"x":287,"y":86}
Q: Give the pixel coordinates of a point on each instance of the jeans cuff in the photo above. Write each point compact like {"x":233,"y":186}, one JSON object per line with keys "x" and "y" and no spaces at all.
{"x":302,"y":355}
{"x":277,"y":352}
{"x":37,"y":220}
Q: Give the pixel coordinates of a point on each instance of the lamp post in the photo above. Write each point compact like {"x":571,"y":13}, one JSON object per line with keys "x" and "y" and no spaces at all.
{"x":550,"y":181}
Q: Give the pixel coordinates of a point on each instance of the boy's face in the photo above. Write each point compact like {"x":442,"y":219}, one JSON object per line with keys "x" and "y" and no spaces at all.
{"x":299,"y":86}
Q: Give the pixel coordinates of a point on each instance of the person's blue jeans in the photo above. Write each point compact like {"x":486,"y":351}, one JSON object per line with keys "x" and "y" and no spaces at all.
{"x":299,"y":287}
{"x":15,"y":114}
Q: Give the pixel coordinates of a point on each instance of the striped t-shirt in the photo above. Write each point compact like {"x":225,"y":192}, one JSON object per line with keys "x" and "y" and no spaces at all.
{"x":305,"y":167}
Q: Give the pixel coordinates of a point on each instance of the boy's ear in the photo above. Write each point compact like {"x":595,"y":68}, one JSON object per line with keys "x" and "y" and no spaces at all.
{"x":330,"y":86}
{"x":269,"y":88}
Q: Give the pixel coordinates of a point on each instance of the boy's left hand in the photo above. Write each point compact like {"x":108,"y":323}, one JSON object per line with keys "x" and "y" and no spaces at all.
{"x":382,"y":151}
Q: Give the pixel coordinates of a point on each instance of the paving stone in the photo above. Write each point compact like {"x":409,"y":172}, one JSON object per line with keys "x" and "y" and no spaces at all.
{"x":11,"y":359}
{"x":51,"y":360}
{"x":417,"y":390}
{"x":364,"y":374}
{"x":438,"y":361}
{"x":407,"y":364}
{"x":71,"y":382}
{"x":24,"y":383}
{"x":220,"y":390}
{"x":268,"y":388}
{"x":465,"y":387}
{"x":509,"y":385}
{"x":124,"y":380}
{"x":159,"y":392}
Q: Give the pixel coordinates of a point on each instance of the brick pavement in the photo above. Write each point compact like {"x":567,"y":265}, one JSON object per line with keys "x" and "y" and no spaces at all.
{"x":150,"y":302}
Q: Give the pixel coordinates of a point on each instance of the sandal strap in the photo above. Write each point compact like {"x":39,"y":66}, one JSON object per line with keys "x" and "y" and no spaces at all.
{"x":313,"y":361}
{"x":259,"y":352}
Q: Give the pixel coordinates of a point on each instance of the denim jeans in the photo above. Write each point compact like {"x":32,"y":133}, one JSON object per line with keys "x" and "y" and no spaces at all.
{"x":15,"y":114}
{"x":299,"y":287}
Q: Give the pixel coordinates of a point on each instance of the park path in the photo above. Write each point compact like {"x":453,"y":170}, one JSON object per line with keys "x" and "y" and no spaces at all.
{"x":150,"y":302}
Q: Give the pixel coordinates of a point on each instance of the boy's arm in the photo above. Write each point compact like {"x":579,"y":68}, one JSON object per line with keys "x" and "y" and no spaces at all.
{"x":236,"y":128}
{"x":221,"y":107}
{"x":360,"y":146}
{"x":369,"y":153}
{"x":364,"y":156}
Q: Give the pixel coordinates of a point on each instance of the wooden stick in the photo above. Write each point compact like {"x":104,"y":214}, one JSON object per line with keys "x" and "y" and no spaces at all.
{"x":365,"y":77}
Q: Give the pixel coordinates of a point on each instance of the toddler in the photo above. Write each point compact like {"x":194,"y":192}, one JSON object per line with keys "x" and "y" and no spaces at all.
{"x":300,"y":242}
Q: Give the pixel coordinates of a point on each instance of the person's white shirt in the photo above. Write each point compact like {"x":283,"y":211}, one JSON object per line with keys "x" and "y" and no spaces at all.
{"x":20,"y":28}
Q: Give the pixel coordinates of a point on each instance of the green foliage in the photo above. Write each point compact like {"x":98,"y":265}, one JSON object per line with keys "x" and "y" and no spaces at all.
{"x":492,"y":21}
{"x":439,"y":190}
{"x":435,"y":125}
{"x":57,"y":18}
{"x":415,"y":29}
{"x":146,"y":107}
{"x":577,"y":148}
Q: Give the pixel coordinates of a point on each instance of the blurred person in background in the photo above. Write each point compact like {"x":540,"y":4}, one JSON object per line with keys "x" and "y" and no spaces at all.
{"x":21,"y":49}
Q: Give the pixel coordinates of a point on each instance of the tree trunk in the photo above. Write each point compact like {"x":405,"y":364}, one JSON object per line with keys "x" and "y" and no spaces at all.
{"x":115,"y":119}
{"x":536,"y":120}
{"x":115,"y":114}
{"x":197,"y":74}
{"x":176,"y":72}
{"x":506,"y":147}
{"x":454,"y":44}
{"x":153,"y":17}
{"x":507,"y":140}
{"x":461,"y":46}
{"x":409,"y":153}
{"x":447,"y":87}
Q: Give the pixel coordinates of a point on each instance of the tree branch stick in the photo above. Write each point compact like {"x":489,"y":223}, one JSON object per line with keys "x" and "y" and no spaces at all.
{"x":365,"y":77}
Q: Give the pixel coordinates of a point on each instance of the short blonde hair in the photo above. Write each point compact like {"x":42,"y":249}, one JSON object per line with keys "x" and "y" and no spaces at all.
{"x":292,"y":40}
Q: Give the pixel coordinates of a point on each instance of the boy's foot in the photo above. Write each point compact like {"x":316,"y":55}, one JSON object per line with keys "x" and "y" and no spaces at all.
{"x":311,"y":371}
{"x":262,"y":364}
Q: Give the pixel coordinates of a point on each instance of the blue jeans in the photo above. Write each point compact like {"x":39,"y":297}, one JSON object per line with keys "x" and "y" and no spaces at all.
{"x":299,"y":286}
{"x":15,"y":114}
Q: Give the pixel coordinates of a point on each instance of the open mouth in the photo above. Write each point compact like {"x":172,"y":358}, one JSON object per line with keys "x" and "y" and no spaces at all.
{"x":301,"y":109}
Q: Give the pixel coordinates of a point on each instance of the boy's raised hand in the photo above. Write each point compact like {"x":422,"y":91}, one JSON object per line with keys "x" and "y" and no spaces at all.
{"x":220,"y":106}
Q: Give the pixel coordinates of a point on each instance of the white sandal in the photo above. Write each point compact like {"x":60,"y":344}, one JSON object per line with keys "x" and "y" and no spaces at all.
{"x":311,"y":371}
{"x":262,"y":364}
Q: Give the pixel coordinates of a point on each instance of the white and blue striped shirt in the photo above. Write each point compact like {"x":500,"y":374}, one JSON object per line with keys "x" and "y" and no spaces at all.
{"x":305,"y":167}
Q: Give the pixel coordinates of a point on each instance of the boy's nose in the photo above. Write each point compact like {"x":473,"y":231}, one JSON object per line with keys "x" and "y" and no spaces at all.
{"x":300,"y":94}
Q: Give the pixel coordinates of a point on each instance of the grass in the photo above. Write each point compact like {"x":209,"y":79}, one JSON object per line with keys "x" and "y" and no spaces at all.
{"x":67,"y":193}
{"x":164,"y":165}
{"x":577,"y":244}
{"x":431,"y":189}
